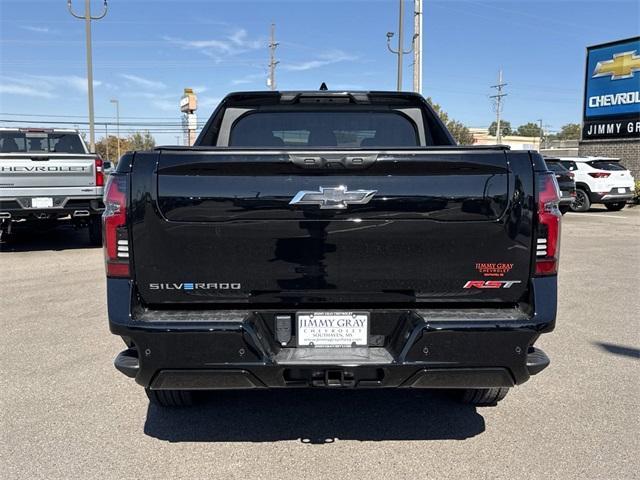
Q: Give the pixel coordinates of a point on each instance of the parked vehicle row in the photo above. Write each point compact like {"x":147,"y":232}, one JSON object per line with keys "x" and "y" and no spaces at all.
{"x":600,"y":180}
{"x":566,"y":183}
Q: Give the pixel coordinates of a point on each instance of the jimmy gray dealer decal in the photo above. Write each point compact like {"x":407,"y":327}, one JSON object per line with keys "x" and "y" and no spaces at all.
{"x":190,"y":286}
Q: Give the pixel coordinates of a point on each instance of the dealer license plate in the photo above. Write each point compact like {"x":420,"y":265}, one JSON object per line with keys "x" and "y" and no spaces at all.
{"x":332,"y":329}
{"x":42,"y":202}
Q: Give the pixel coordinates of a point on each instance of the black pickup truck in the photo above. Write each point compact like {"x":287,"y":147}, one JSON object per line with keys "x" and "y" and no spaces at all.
{"x":330,"y":239}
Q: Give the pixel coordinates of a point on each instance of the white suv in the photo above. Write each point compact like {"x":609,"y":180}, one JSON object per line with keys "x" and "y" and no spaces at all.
{"x":600,"y":180}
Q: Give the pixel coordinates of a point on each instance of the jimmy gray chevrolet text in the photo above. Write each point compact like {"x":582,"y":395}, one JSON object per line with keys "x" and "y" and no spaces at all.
{"x":330,"y":239}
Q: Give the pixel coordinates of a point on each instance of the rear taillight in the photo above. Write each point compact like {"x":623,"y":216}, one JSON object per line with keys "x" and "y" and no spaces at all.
{"x":548,"y":233}
{"x":114,"y":227}
{"x":571,"y":174}
{"x":599,"y":174}
{"x":99,"y":172}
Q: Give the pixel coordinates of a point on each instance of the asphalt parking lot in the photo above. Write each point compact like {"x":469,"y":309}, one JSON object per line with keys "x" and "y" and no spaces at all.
{"x":66,"y":413}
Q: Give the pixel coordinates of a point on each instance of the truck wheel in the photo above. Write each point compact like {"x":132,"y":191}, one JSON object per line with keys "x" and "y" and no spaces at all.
{"x":483,"y":397}
{"x":615,"y":206}
{"x":582,"y":202}
{"x":170,"y":398}
{"x":95,"y":230}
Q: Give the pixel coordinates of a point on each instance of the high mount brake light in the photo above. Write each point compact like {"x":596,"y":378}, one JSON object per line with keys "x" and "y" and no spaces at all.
{"x":99,"y":172}
{"x":114,"y":228}
{"x":599,"y":174}
{"x":548,"y":233}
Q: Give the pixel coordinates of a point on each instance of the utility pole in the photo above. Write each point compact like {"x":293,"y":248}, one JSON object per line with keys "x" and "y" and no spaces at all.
{"x":399,"y":52}
{"x":106,"y":138}
{"x":271,"y":81}
{"x":498,"y":105}
{"x":417,"y":46}
{"x":87,"y":22}
{"x":541,"y":134}
{"x":117,"y":103}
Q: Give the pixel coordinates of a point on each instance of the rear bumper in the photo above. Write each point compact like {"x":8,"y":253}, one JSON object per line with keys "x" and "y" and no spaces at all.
{"x":77,"y":206}
{"x":612,"y":196}
{"x":424,"y":349}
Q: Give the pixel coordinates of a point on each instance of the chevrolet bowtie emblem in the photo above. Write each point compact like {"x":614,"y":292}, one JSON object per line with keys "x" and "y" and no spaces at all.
{"x":335,"y":197}
{"x":623,"y":65}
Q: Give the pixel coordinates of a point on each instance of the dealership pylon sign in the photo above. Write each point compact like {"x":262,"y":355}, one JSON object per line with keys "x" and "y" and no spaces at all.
{"x":612,"y":91}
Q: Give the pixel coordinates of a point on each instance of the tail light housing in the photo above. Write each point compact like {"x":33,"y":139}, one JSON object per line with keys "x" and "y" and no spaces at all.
{"x":599,"y":174}
{"x":548,"y":231}
{"x":571,"y":175}
{"x":114,"y":227}
{"x":99,"y":172}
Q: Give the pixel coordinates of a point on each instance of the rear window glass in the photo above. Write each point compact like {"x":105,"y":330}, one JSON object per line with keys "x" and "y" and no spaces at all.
{"x":570,"y":165}
{"x":324,"y":129}
{"x":38,"y":142}
{"x":555,"y":166}
{"x":606,"y":165}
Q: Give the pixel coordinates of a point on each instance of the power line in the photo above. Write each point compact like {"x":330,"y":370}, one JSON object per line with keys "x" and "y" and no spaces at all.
{"x":131,"y":124}
{"x":79,"y":116}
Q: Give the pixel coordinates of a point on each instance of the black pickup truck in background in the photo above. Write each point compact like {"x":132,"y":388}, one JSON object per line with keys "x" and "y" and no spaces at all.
{"x":330,"y":239}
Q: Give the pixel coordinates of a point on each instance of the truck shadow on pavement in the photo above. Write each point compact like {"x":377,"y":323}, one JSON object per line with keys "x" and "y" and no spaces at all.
{"x":619,"y":349}
{"x":317,"y":417}
{"x":62,"y":238}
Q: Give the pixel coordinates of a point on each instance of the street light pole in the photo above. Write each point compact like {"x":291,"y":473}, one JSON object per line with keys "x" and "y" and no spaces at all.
{"x":87,"y":21}
{"x":399,"y":52}
{"x":417,"y":47}
{"x":117,"y":103}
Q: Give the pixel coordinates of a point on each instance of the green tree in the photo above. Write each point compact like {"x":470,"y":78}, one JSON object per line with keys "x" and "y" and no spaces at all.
{"x":460,"y":133}
{"x":107,"y":148}
{"x":570,"y":131}
{"x":529,"y":130}
{"x":505,"y":127}
{"x":141,"y":141}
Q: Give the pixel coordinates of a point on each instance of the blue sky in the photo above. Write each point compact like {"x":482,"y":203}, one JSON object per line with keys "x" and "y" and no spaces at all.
{"x":147,"y":51}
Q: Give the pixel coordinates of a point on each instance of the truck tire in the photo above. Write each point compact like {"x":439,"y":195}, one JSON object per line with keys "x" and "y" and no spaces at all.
{"x":615,"y":206}
{"x":95,"y":230}
{"x":483,"y":397}
{"x":581,"y":202}
{"x":170,"y":398}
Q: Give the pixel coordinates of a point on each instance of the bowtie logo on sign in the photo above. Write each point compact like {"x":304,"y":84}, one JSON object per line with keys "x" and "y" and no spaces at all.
{"x":622,"y":65}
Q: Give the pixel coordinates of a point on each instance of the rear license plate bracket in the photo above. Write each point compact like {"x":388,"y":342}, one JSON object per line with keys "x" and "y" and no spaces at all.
{"x":41,"y":202}
{"x":332,"y":329}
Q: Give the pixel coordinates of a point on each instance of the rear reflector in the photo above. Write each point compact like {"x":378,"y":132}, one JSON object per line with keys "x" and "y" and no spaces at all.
{"x":548,"y":232}
{"x":115,"y":232}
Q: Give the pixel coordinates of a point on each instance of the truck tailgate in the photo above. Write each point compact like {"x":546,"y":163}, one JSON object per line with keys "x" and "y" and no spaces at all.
{"x":218,"y":226}
{"x":53,"y":170}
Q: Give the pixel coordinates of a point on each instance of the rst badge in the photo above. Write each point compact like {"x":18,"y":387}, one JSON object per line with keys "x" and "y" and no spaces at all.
{"x":491,"y":283}
{"x":333,"y":198}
